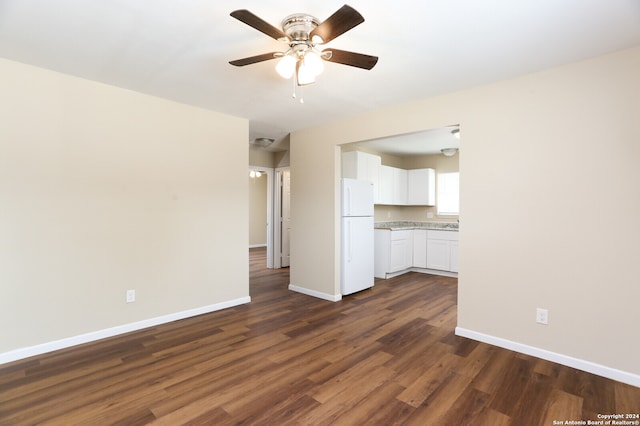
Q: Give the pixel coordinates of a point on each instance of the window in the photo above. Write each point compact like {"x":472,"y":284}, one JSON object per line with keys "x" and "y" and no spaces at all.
{"x":448,"y":194}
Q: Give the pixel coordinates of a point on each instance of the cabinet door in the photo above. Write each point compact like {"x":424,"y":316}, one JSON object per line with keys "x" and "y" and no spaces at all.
{"x":421,"y":187}
{"x":381,"y":245}
{"x":438,"y":254}
{"x":373,"y":164}
{"x":386,"y":185}
{"x":420,"y":248}
{"x":454,"y":256}
{"x":401,"y":250}
{"x":399,"y":186}
{"x":350,"y":165}
{"x":399,"y":254}
{"x":363,"y":166}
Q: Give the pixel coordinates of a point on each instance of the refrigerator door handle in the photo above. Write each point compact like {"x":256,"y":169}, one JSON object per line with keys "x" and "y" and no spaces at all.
{"x":349,"y":241}
{"x":348,"y":200}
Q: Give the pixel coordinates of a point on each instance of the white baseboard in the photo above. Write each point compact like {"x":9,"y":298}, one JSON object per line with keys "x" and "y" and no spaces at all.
{"x":256,"y":245}
{"x":318,"y":294}
{"x":388,"y":275}
{"x":580,"y":364}
{"x":30,"y":351}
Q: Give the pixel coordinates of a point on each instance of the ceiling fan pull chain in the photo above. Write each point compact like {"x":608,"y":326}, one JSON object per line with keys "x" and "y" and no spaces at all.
{"x":297,"y":89}
{"x":293,"y":81}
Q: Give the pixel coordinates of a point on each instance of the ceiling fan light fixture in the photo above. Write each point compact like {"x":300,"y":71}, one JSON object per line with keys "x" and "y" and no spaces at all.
{"x":306,"y":64}
{"x":305,"y":74}
{"x":286,"y":66}
{"x":314,"y":62}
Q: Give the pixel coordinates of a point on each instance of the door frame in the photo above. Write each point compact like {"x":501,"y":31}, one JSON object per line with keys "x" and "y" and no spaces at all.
{"x":277,"y":223}
{"x":270,"y":194}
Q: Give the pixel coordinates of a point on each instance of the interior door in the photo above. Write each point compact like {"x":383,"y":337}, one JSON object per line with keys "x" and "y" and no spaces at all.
{"x":285,"y":219}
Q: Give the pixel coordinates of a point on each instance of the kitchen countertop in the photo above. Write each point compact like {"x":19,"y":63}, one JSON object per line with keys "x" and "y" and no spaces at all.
{"x":401,"y":225}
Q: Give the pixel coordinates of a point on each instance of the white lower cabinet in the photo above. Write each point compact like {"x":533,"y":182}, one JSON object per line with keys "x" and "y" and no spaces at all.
{"x":419,"y":248}
{"x":442,"y":250}
{"x":400,"y":255}
{"x":393,"y":251}
{"x":438,"y":254}
{"x":402,"y":250}
{"x":454,"y":257}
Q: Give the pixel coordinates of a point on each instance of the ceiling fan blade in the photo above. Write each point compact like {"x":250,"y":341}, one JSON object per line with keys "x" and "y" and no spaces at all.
{"x":243,"y":15}
{"x":254,"y":59}
{"x":351,"y":58}
{"x":339,"y":23}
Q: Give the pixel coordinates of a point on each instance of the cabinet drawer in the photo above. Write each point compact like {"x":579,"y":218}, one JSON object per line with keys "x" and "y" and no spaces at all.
{"x":442,"y":235}
{"x":401,"y":235}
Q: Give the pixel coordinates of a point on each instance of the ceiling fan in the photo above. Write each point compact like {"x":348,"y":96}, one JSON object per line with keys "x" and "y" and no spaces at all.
{"x":303,"y":33}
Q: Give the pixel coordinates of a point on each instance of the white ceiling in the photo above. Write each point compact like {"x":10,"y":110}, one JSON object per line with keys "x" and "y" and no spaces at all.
{"x":180,"y":50}
{"x":426,"y":142}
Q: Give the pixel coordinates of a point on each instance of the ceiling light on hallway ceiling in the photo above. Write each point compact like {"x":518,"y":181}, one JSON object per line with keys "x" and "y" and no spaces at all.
{"x":449,"y":152}
{"x":262,"y":142}
{"x":254,"y":174}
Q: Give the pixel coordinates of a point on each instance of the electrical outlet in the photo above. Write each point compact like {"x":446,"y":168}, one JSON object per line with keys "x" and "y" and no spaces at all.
{"x":542,"y":316}
{"x":131,"y":296}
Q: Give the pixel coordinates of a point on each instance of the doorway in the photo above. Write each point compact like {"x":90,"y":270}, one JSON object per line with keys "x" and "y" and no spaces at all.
{"x":282,"y":228}
{"x":261,"y":182}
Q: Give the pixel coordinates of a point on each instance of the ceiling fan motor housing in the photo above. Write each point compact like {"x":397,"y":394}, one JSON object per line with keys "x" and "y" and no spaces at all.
{"x":298,"y":26}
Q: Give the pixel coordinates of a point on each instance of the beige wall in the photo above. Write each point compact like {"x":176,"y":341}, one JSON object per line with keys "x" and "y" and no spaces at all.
{"x":258,"y":210}
{"x":438,"y":162}
{"x":550,"y":153}
{"x":104,"y":190}
{"x":259,"y":157}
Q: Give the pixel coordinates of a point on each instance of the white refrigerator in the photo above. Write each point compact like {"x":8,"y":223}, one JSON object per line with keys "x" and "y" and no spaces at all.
{"x":357,"y":236}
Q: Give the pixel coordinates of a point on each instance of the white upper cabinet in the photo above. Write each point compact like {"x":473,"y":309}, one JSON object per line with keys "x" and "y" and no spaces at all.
{"x":363,"y":166}
{"x":399,"y":186}
{"x":421,"y":187}
{"x":407,"y":187}
{"x":386,"y":185}
{"x":393,"y":186}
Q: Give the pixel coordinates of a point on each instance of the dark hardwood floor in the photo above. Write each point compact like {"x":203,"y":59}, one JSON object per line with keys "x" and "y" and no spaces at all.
{"x":380,"y":357}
